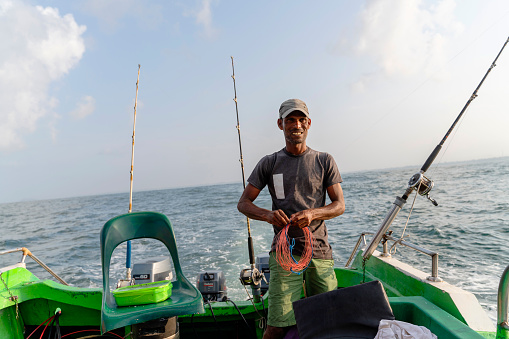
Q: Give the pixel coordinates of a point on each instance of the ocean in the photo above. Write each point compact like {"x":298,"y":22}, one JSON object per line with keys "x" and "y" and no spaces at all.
{"x":469,"y":228}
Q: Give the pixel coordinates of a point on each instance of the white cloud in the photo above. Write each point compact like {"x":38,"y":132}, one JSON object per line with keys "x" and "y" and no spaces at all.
{"x":204,"y":19}
{"x":39,"y":46}
{"x":407,"y":37}
{"x":85,"y":107}
{"x":112,"y":14}
{"x":4,"y":6}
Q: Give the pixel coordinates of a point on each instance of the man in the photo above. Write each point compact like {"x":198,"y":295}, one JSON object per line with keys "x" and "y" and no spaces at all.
{"x":298,"y":179}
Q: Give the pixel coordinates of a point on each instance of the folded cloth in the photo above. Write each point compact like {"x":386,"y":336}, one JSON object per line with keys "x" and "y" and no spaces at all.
{"x":394,"y":329}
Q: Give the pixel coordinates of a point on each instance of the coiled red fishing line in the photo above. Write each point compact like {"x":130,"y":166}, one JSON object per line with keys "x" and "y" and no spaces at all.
{"x":284,"y":249}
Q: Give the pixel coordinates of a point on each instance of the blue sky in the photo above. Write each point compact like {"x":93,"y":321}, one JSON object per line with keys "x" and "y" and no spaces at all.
{"x":383,"y":80}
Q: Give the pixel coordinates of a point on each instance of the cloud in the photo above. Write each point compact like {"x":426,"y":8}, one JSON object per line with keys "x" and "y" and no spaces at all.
{"x":203,"y":18}
{"x":112,"y":14}
{"x":39,"y":46}
{"x":85,"y":107}
{"x":404,"y":38}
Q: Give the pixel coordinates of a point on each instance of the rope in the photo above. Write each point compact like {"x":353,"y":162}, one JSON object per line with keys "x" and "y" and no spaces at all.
{"x":13,"y":297}
{"x":284,"y":251}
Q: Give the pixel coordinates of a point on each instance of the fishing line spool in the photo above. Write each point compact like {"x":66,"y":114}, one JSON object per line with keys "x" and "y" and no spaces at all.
{"x":257,"y":277}
{"x":422,"y":185}
{"x":250,"y":277}
{"x":253,"y":277}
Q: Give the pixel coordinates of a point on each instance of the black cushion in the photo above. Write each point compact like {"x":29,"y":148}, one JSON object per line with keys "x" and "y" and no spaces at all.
{"x":351,"y":312}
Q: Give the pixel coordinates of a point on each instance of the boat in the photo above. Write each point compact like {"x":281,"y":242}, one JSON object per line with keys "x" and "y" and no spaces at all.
{"x":31,"y":307}
{"x":28,"y":305}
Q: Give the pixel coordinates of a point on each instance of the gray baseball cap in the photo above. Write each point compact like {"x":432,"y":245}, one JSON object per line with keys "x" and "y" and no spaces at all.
{"x":291,"y":105}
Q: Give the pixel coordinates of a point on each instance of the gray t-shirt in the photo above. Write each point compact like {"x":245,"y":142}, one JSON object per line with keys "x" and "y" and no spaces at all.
{"x":296,"y":183}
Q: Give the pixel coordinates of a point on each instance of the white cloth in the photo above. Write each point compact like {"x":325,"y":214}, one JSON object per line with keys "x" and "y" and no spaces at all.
{"x":394,"y":329}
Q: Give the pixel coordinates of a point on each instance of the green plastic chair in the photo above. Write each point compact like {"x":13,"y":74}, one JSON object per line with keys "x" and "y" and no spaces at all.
{"x":185,"y":297}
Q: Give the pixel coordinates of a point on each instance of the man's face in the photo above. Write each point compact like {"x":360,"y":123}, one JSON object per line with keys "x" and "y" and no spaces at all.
{"x":295,"y":127}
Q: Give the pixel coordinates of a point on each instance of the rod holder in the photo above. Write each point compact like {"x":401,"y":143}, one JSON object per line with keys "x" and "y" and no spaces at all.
{"x":386,"y":223}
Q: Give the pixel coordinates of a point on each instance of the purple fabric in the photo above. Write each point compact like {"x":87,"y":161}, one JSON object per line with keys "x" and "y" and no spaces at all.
{"x":293,"y":333}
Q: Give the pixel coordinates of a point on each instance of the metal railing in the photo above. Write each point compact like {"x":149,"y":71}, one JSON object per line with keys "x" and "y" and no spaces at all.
{"x":385,"y":253}
{"x":362,"y":238}
{"x":26,"y":252}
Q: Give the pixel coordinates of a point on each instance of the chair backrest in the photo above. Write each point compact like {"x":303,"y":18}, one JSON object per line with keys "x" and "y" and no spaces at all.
{"x":186,"y":299}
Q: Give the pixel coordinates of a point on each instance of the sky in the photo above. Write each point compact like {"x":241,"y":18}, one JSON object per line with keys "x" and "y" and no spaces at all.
{"x":383,"y":81}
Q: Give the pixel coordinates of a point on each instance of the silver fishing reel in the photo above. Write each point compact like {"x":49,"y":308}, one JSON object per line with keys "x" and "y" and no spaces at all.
{"x":251,"y":277}
{"x":422,"y":185}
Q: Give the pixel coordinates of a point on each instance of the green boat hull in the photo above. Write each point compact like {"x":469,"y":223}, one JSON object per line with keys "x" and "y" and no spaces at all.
{"x":26,"y":302}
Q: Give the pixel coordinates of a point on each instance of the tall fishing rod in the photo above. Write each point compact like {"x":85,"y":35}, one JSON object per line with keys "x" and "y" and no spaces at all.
{"x":132,"y":148}
{"x":253,"y":276}
{"x":128,"y":254}
{"x":241,"y":160}
{"x":418,"y":181}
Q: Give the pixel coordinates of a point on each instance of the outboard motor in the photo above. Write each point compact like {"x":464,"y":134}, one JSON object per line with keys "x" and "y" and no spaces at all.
{"x":212,"y":285}
{"x":262,"y":264}
{"x":155,"y":269}
{"x":151,"y":270}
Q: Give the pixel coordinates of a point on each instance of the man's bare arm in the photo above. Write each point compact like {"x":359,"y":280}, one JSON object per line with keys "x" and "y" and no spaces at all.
{"x":247,"y":207}
{"x":332,"y":210}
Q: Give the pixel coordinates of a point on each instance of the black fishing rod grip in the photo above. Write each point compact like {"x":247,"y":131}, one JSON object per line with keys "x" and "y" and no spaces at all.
{"x":431,"y":158}
{"x":251,"y":250}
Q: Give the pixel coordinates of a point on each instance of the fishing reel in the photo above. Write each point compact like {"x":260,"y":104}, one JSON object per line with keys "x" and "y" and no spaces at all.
{"x":251,"y":277}
{"x":422,"y":185}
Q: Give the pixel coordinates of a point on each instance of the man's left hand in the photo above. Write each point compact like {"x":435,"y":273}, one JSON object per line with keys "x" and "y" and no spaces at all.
{"x":301,"y":219}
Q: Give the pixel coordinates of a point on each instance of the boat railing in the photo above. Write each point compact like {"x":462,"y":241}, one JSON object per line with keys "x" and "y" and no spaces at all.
{"x":362,"y":239}
{"x":26,"y":252}
{"x":386,"y":252}
{"x":502,"y":305}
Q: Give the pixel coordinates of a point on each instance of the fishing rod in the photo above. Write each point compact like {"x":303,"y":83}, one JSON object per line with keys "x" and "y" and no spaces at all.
{"x":251,"y":276}
{"x":128,"y":254}
{"x":418,"y":181}
{"x":132,"y":148}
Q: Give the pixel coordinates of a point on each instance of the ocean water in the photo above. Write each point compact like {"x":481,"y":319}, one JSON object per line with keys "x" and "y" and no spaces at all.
{"x":469,"y":228}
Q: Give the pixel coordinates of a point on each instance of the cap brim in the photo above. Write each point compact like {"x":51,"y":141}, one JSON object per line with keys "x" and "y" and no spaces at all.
{"x":290,"y":110}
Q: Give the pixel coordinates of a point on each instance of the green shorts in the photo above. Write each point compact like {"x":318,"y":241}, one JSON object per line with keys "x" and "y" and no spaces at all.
{"x":286,"y":287}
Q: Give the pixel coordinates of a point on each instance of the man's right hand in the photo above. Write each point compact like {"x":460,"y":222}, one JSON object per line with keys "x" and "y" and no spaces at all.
{"x":249,"y":209}
{"x":278,"y":218}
